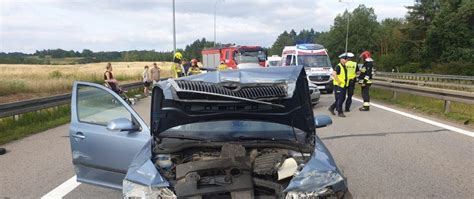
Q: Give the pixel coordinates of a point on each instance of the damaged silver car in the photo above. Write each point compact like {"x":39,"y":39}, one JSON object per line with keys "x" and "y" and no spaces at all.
{"x":246,"y":133}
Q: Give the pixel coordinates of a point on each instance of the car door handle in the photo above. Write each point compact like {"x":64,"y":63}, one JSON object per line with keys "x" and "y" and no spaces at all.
{"x":79,"y":135}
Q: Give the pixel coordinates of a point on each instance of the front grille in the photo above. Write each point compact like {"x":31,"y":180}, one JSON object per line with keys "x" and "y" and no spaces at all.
{"x":319,"y":78}
{"x":254,"y":92}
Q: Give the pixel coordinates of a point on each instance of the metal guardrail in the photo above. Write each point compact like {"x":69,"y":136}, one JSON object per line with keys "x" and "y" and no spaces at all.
{"x":427,"y":77}
{"x":444,"y":85}
{"x":17,"y":108}
{"x":437,"y":93}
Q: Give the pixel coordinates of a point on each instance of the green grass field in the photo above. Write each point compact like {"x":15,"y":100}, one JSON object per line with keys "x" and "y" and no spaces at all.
{"x":34,"y":122}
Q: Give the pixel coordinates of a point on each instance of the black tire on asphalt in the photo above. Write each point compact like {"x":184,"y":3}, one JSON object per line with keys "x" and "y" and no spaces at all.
{"x":3,"y":151}
{"x":329,"y":91}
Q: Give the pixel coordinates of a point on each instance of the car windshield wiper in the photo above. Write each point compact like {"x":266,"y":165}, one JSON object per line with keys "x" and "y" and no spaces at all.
{"x":264,"y":139}
{"x":183,"y":137}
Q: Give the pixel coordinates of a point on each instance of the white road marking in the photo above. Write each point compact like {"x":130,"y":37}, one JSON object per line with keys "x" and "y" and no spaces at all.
{"x":63,"y":189}
{"x":445,"y":126}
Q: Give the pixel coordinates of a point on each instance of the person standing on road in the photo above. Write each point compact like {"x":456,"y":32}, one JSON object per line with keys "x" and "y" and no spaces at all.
{"x":110,"y":79}
{"x":176,"y":65}
{"x":146,"y":81}
{"x":222,"y":66}
{"x":155,"y":74}
{"x":364,"y":79}
{"x":352,"y":71}
{"x":340,"y":82}
{"x":194,"y":70}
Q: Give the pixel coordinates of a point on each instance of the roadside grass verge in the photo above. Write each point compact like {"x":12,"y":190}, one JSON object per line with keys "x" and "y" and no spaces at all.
{"x":459,"y":112}
{"x":34,"y":122}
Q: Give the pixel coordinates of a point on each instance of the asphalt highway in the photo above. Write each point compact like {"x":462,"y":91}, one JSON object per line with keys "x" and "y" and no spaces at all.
{"x":383,"y":155}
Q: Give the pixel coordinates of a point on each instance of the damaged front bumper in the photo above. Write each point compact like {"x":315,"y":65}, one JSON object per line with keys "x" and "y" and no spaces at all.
{"x":319,"y":177}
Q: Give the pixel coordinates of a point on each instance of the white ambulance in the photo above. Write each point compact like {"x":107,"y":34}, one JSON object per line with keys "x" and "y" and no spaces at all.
{"x":315,"y":59}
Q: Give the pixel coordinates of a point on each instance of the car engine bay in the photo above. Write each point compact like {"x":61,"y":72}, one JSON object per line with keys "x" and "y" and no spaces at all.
{"x":231,"y":171}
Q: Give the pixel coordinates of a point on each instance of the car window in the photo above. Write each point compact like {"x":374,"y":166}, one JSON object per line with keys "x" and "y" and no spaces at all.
{"x":288,"y":60}
{"x":227,"y":55}
{"x":97,"y":106}
{"x":293,"y":61}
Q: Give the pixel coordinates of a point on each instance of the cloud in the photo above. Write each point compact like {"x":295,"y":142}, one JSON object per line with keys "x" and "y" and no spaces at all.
{"x":146,"y":24}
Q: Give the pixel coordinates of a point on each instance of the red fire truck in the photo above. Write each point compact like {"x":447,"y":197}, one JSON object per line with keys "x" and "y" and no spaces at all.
{"x":233,"y":55}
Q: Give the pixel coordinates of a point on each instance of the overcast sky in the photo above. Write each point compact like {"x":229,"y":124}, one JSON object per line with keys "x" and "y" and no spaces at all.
{"x":109,"y":25}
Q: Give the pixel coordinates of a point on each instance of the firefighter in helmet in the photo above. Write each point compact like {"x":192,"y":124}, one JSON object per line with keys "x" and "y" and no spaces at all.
{"x":364,"y":79}
{"x":178,"y":72}
{"x":194,"y":70}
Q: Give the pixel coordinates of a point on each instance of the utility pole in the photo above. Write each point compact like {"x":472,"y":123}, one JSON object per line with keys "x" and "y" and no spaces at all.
{"x":174,"y":29}
{"x":347,"y":29}
{"x":215,"y":16}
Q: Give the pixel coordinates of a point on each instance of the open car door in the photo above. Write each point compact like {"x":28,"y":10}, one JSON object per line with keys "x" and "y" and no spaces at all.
{"x":105,"y":135}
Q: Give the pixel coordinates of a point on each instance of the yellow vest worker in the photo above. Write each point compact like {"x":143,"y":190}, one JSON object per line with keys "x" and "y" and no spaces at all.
{"x":341,"y":72}
{"x":176,"y":68}
{"x":340,"y":81}
{"x":194,"y":71}
{"x":351,"y":70}
{"x":221,"y":67}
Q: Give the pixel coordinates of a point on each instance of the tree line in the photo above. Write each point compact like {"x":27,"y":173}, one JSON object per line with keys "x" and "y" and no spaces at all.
{"x":48,"y":56}
{"x":86,"y":56}
{"x":436,"y":36}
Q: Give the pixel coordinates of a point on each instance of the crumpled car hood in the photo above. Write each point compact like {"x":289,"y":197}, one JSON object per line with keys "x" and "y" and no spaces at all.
{"x":278,"y":95}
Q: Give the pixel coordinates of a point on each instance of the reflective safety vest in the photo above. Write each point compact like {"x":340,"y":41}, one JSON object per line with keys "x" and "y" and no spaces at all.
{"x":351,"y":70}
{"x":342,"y":77}
{"x":194,"y":71}
{"x":176,"y":68}
{"x":221,"y":67}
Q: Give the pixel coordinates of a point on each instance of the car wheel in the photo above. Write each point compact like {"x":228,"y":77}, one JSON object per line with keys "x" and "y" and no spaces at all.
{"x":329,"y":91}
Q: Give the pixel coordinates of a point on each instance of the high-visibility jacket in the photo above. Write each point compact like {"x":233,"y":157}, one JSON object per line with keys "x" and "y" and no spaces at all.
{"x":366,"y":73}
{"x":221,"y":67}
{"x":351,"y":70}
{"x":194,"y":71}
{"x":176,"y":68}
{"x":342,"y":76}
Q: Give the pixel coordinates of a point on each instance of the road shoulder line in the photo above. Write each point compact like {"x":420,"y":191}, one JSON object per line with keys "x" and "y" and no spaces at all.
{"x":63,"y":189}
{"x":428,"y":121}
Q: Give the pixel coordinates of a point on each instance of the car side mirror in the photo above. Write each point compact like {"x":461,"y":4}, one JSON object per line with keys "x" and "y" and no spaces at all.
{"x":322,"y":121}
{"x":121,"y":124}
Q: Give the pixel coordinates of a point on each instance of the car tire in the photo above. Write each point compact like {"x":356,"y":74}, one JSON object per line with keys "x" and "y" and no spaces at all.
{"x":3,"y":151}
{"x":329,"y":91}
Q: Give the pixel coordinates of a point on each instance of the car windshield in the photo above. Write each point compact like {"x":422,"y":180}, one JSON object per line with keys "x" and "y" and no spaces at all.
{"x":314,"y":61}
{"x":233,"y":130}
{"x":250,"y":56}
{"x":274,"y":63}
